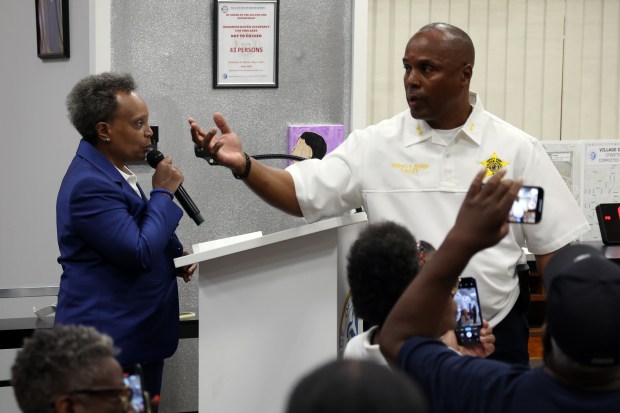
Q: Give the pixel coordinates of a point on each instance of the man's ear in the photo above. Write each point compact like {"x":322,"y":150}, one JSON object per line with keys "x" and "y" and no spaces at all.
{"x":467,"y":73}
{"x":103,"y":131}
{"x":64,"y":404}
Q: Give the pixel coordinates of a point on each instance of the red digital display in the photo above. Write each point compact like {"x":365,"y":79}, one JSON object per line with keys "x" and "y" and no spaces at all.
{"x":609,"y":222}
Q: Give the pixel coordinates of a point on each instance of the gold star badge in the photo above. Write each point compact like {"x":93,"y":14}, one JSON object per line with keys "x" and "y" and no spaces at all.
{"x":419,"y":129}
{"x":493,"y":164}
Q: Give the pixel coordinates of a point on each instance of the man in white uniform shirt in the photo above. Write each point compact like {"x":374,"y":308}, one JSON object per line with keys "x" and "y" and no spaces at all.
{"x":415,"y":169}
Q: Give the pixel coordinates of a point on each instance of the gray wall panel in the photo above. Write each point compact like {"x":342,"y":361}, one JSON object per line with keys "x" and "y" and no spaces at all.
{"x":167,"y":46}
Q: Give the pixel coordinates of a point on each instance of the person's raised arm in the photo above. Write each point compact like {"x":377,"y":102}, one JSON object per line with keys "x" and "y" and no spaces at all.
{"x":275,"y":186}
{"x":480,"y":223}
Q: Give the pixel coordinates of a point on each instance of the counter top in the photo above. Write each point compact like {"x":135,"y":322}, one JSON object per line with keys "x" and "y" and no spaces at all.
{"x":14,"y":330}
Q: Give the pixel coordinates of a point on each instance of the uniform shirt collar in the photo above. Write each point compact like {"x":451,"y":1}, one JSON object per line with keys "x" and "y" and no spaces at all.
{"x":421,"y":131}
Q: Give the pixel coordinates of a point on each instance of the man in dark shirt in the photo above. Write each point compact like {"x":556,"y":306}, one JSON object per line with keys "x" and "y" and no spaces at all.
{"x":581,"y":371}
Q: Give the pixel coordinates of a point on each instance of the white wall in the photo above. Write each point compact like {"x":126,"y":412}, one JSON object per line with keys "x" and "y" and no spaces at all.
{"x":39,"y":141}
{"x":549,"y":67}
{"x":38,"y":144}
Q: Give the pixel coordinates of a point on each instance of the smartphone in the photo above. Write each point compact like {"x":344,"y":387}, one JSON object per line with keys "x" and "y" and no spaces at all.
{"x":132,"y":376}
{"x":468,"y":315}
{"x":528,"y":207}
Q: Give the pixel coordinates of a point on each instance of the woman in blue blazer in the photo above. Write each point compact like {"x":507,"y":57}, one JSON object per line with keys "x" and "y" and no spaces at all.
{"x":116,"y":245}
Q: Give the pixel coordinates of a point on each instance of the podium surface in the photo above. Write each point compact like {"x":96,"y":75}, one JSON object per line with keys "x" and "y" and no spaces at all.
{"x":268,"y":314}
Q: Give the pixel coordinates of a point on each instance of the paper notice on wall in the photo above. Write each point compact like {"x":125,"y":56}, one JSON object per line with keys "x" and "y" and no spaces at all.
{"x":601,"y":180}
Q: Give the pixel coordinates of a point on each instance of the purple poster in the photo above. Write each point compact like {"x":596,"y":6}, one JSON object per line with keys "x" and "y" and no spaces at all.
{"x":314,"y":141}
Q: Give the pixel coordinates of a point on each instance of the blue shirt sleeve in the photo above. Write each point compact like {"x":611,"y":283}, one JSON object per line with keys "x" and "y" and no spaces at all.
{"x":455,"y":383}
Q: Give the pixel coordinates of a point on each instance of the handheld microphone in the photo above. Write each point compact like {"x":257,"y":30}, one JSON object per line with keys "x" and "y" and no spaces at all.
{"x":153,"y":158}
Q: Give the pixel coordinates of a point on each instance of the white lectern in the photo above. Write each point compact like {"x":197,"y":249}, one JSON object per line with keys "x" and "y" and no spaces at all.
{"x":269,"y":313}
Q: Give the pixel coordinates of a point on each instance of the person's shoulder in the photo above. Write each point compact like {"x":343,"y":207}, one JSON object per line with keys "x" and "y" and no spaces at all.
{"x":537,"y":381}
{"x":356,"y":344}
{"x":393,"y":126}
{"x":89,"y":181}
{"x":79,"y":170}
{"x":360,"y":348}
{"x":502,"y":129}
{"x":397,"y":119}
{"x":509,"y":127}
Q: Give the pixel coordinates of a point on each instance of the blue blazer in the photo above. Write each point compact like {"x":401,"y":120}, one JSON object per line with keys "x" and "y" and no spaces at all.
{"x":116,"y":252}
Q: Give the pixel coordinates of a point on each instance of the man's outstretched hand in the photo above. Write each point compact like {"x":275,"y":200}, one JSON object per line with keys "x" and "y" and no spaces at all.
{"x":226,"y":148}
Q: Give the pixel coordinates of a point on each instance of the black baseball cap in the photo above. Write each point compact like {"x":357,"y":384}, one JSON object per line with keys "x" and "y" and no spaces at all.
{"x":583,"y":305}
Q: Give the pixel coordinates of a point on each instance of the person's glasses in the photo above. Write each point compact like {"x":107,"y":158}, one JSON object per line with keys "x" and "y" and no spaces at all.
{"x":425,"y":250}
{"x":421,"y":254}
{"x":123,"y":394}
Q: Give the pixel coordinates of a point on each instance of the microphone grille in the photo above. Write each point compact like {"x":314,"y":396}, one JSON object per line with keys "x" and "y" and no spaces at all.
{"x":154,"y":157}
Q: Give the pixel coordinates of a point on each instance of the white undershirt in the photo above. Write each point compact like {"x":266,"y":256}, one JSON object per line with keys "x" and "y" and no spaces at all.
{"x":131,"y":179}
{"x":447,"y":135}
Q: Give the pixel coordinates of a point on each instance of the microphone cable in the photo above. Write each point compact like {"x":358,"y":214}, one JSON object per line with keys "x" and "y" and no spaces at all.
{"x":201,"y":153}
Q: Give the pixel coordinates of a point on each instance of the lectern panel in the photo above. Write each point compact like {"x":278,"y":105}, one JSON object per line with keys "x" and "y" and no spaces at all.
{"x":267,"y":316}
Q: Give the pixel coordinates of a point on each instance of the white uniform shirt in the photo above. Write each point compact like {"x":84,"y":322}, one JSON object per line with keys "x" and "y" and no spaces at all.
{"x":400,"y":170}
{"x":360,"y":348}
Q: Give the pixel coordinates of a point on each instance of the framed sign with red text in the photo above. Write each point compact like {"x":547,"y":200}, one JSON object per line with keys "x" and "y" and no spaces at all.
{"x":246,"y":44}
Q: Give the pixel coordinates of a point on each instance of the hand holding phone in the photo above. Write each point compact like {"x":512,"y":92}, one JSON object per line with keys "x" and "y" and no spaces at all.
{"x":469,"y":316}
{"x":132,"y":375}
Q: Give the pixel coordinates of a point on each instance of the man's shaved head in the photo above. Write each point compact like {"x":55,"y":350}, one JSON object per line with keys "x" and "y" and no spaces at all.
{"x":456,"y":39}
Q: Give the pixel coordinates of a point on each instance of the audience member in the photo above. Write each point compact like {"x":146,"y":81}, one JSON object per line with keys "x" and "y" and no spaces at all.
{"x":69,"y":369}
{"x":581,"y":371}
{"x":355,"y":386}
{"x":382,"y":262}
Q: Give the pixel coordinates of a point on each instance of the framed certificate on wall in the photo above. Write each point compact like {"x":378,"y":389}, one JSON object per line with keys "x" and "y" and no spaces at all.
{"x":246,"y":44}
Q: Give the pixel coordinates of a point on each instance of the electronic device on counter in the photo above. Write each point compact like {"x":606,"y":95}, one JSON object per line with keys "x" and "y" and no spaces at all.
{"x":608,"y":216}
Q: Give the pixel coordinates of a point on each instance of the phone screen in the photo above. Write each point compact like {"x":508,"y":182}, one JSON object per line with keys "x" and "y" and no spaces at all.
{"x":132,"y":376}
{"x":527,"y":208}
{"x":468,"y":315}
